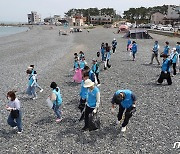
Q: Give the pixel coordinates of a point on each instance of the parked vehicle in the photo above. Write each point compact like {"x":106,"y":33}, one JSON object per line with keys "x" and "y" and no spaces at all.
{"x":159,"y":27}
{"x":167,"y":28}
{"x":154,"y":27}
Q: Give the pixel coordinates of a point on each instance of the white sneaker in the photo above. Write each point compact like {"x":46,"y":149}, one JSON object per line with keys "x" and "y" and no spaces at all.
{"x":98,"y":85}
{"x":118,"y":122}
{"x":15,"y":127}
{"x":41,"y":91}
{"x":34,"y":98}
{"x":123,"y":129}
{"x":19,"y":132}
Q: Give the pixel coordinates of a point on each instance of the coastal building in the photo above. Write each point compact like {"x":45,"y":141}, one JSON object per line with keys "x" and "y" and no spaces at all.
{"x":55,"y":20}
{"x":33,"y":18}
{"x":101,"y":20}
{"x":76,"y":20}
{"x":157,"y":18}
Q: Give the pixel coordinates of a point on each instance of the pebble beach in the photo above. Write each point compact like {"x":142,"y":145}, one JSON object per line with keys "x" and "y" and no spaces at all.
{"x":153,"y":129}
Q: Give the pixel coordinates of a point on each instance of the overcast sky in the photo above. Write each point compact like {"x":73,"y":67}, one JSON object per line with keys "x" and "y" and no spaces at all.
{"x":17,"y":10}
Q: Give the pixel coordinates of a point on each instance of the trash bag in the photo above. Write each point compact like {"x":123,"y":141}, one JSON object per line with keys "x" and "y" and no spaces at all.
{"x":94,"y":121}
{"x":49,"y":103}
{"x":98,"y":54}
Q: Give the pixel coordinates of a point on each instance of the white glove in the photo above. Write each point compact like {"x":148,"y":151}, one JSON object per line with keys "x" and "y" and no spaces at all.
{"x":112,"y":110}
{"x":95,"y":110}
{"x":133,"y":105}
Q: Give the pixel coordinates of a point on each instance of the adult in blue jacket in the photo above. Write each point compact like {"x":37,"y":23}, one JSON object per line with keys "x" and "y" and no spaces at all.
{"x":90,"y":72}
{"x":102,"y":51}
{"x":155,"y":52}
{"x":178,"y":51}
{"x":126,"y":101}
{"x":83,"y":92}
{"x":174,"y":57}
{"x":165,"y":70}
{"x":93,"y":101}
{"x":95,"y":69}
{"x":166,"y":48}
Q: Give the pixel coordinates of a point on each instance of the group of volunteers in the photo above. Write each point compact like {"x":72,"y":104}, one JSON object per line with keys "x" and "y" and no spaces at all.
{"x":90,"y":93}
{"x":89,"y":83}
{"x":170,"y":59}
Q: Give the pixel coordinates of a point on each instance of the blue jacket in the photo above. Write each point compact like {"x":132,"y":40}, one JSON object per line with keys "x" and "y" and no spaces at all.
{"x":91,"y":98}
{"x":31,"y":79}
{"x":155,"y":48}
{"x":165,"y":65}
{"x":174,"y":57}
{"x":178,"y":49}
{"x":58,"y":100}
{"x":128,"y":42}
{"x":102,"y":50}
{"x":114,"y":43}
{"x":166,"y":49}
{"x":76,"y":65}
{"x":95,"y":68}
{"x":134,"y":48}
{"x":91,"y":76}
{"x":127,"y":102}
{"x":82,"y":64}
{"x":84,"y":91}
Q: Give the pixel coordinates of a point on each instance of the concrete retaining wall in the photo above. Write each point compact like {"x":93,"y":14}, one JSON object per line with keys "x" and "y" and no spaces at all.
{"x":172,"y":34}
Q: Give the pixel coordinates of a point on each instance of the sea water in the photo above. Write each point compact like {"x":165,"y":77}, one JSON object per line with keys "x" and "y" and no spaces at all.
{"x":9,"y":30}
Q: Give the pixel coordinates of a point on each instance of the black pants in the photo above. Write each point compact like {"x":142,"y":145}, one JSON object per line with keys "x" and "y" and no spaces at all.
{"x":113,"y":49}
{"x":174,"y":68}
{"x":82,"y":104}
{"x":97,"y":76}
{"x":165,"y":76}
{"x":128,"y":115}
{"x":108,"y":65}
{"x":127,"y":47}
{"x":133,"y":56}
{"x":88,"y":110}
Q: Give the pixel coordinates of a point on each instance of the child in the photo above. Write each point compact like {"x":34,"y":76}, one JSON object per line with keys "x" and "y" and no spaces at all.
{"x":82,"y":63}
{"x":114,"y":44}
{"x":31,"y":85}
{"x":81,"y":55}
{"x":57,"y":101}
{"x":128,"y":43}
{"x":134,"y":49}
{"x":35,"y":74}
{"x":76,"y":63}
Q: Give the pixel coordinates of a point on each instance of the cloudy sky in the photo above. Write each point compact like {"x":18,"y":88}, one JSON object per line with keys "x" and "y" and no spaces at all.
{"x":17,"y":10}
